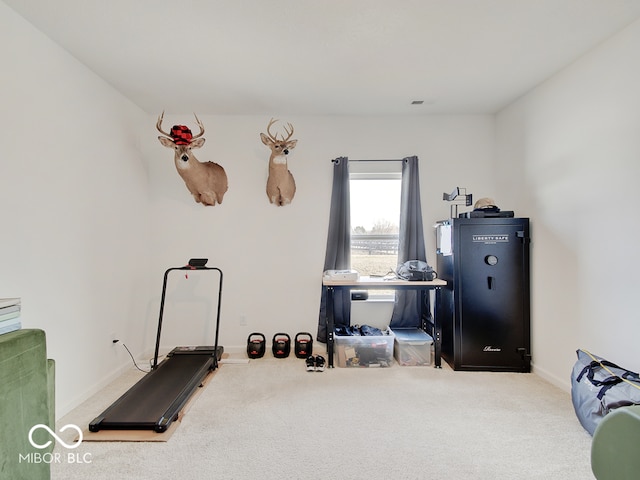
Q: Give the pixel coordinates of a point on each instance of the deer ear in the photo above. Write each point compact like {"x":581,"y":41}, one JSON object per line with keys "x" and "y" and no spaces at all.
{"x":266,"y":140}
{"x":197,"y":143}
{"x":293,"y":143}
{"x":167,"y":142}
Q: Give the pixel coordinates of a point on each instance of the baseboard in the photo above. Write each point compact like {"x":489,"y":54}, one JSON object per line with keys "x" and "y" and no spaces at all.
{"x":561,"y":383}
{"x":62,"y":410}
{"x":235,"y":349}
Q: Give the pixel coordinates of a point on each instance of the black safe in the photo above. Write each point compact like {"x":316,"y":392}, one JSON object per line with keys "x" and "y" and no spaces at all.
{"x":485,"y":310}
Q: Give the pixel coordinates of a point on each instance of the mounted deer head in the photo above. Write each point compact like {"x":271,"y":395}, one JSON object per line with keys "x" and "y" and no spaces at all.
{"x":281,"y":187}
{"x":207,"y":181}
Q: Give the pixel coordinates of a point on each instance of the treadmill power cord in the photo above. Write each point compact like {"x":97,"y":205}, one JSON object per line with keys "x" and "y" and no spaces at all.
{"x":132,"y":359}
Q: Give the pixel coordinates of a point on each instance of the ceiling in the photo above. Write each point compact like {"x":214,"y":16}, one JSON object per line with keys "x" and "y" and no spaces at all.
{"x":326,"y":57}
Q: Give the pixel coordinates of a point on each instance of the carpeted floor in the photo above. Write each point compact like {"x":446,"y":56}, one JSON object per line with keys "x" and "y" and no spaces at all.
{"x":270,"y":419}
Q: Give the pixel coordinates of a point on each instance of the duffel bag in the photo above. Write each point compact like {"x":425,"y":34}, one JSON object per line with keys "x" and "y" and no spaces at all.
{"x":599,"y":386}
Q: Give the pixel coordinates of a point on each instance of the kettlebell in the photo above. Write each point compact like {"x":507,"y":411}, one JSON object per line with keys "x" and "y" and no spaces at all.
{"x":255,"y":345}
{"x":303,"y":345}
{"x":281,"y":345}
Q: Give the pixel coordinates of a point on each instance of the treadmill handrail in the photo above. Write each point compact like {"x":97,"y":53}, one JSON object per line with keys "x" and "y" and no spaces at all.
{"x":160,"y":317}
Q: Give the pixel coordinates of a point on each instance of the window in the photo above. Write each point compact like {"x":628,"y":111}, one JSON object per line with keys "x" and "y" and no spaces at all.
{"x":375,"y":216}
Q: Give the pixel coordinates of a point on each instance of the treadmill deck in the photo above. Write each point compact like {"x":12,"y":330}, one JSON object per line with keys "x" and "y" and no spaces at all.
{"x":157,"y":398}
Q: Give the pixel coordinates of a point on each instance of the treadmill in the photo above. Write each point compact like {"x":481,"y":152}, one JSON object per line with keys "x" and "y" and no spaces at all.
{"x":155,"y":401}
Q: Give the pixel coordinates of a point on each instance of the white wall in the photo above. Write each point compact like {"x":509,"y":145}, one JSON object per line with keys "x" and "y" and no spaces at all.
{"x":73,"y":204}
{"x":93,"y":212}
{"x":568,"y":155}
{"x":272,"y":257}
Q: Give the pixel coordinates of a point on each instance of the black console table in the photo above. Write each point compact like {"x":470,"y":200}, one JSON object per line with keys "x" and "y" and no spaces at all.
{"x":432,"y":327}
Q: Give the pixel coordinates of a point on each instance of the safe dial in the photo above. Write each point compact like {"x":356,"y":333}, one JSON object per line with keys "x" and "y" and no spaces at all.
{"x":491,"y":260}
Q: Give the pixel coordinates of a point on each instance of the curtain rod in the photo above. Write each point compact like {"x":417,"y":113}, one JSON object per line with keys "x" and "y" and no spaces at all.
{"x":372,"y":160}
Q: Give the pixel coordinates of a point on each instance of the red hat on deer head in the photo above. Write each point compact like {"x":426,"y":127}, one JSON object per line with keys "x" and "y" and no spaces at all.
{"x":181,"y":135}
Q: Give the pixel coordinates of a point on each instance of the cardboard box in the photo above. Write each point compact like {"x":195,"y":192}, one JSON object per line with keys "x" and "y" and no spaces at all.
{"x":412,"y":347}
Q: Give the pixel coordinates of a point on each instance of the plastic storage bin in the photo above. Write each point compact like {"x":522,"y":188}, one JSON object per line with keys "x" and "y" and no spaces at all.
{"x":412,"y":347}
{"x":364,"y":351}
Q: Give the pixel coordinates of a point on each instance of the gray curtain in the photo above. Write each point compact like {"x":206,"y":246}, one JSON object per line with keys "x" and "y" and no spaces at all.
{"x":338,"y":253}
{"x":411,"y":243}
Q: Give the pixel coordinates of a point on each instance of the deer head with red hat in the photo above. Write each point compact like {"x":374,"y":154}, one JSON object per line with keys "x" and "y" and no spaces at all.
{"x":207,"y":181}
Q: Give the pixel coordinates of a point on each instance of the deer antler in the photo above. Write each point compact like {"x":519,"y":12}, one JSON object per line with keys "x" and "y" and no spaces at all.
{"x":275,"y":137}
{"x":271,"y":136}
{"x":289,"y":132}
{"x":200,"y":126}
{"x":159,"y":125}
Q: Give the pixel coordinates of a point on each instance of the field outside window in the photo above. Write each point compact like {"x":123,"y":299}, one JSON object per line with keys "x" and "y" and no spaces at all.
{"x":375,"y":218}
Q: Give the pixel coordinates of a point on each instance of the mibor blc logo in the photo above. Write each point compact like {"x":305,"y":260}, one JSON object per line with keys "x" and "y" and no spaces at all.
{"x":54,"y":457}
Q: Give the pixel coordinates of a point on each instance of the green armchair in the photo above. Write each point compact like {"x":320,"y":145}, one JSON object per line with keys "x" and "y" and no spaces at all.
{"x":26,"y":399}
{"x":614,"y":449}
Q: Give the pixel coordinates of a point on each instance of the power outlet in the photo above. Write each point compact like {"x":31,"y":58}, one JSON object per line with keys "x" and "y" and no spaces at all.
{"x":243,"y":320}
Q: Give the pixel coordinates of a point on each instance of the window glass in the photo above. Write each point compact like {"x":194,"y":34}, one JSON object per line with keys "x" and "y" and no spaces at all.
{"x":375,"y":219}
